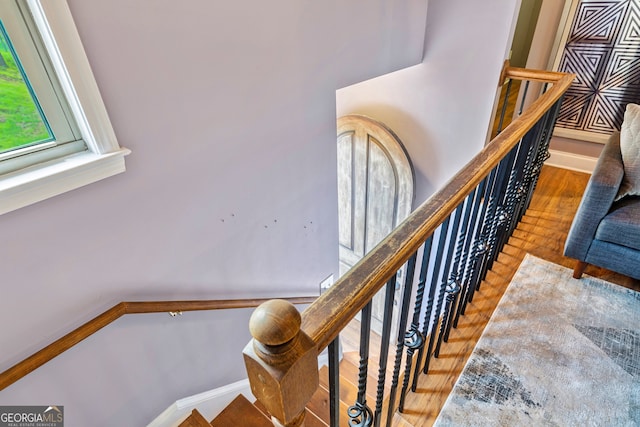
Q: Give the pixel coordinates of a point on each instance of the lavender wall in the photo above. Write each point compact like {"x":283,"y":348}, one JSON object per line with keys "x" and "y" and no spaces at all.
{"x":229,"y":109}
{"x":441,"y":108}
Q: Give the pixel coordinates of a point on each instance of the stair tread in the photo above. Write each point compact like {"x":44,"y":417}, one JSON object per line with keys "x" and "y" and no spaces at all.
{"x":319,"y":405}
{"x":349,"y":372}
{"x":241,"y":409}
{"x":311,"y":419}
{"x":195,"y":420}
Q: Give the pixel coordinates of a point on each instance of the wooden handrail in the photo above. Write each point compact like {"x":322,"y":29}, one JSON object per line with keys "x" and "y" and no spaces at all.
{"x":89,"y":328}
{"x":331,"y":312}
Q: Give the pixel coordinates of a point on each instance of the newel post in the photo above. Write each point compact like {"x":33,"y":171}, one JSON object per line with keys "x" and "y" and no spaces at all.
{"x":281,"y":362}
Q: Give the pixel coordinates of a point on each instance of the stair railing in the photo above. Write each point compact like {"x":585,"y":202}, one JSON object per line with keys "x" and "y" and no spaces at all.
{"x":64,"y":343}
{"x":447,"y":244}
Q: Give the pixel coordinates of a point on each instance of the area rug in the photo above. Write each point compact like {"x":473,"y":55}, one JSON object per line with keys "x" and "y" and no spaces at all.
{"x":556,"y":352}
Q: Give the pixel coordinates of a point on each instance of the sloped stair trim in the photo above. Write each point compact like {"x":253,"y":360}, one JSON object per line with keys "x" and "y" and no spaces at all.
{"x":209,"y":404}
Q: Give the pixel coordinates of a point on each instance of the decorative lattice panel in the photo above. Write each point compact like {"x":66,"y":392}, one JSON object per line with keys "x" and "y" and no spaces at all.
{"x":603,"y":49}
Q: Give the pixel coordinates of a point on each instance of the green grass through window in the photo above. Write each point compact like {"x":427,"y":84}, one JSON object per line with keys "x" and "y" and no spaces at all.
{"x":21,"y":122}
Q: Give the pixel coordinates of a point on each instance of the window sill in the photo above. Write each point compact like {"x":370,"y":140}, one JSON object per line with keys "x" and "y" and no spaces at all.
{"x":39,"y":182}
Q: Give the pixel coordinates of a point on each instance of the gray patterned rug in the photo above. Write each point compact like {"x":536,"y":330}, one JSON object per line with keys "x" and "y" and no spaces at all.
{"x":556,"y":352}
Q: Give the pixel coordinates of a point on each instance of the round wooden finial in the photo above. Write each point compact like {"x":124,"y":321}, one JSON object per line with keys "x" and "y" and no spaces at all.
{"x":275,"y":322}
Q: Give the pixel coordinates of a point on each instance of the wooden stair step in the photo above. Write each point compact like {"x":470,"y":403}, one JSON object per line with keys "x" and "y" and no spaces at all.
{"x":241,"y":412}
{"x":319,"y":405}
{"x":195,"y":420}
{"x":349,"y":371}
{"x":348,"y":391}
{"x":311,"y":419}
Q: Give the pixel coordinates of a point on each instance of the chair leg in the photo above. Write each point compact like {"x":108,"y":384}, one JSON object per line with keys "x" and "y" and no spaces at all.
{"x":580,"y":267}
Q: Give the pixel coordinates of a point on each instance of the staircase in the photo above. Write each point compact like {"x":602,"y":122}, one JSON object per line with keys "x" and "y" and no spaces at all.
{"x":446,"y":247}
{"x":241,"y":412}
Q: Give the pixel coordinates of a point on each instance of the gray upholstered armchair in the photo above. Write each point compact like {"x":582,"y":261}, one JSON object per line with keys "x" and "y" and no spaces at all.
{"x":606,"y":233}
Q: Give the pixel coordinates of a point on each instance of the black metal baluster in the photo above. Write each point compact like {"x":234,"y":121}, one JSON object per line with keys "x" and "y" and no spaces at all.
{"x":525,"y":177}
{"x":413,"y":339}
{"x":524,"y":97}
{"x":544,"y":149}
{"x":406,"y":300}
{"x":440,"y":299}
{"x":475,"y":229}
{"x":504,"y":168}
{"x":450,"y":288}
{"x":384,"y":346}
{"x":509,"y":201}
{"x":443,"y":230}
{"x":334,"y":382}
{"x":488,"y":228}
{"x":481,"y":244}
{"x":459,"y":261}
{"x":359,"y":413}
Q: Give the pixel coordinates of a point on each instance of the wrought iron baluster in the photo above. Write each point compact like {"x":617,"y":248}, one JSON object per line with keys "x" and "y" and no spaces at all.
{"x":443,"y":230}
{"x":524,"y":97}
{"x":544,"y":149}
{"x":526,"y":172}
{"x":384,"y":346}
{"x":334,"y":382}
{"x":509,"y":201}
{"x":450,"y":288}
{"x":499,"y":216}
{"x":480,"y":243}
{"x":404,"y":313}
{"x":413,"y":339}
{"x":488,"y":227}
{"x":441,"y":279}
{"x":460,"y":260}
{"x":359,"y":413}
{"x":475,"y":229}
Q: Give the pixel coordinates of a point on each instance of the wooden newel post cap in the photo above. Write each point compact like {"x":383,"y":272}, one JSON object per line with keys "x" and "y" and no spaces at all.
{"x":281,"y":361}
{"x":275,"y":322}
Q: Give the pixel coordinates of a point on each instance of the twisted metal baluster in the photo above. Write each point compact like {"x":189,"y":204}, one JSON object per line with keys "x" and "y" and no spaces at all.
{"x":479,"y":244}
{"x":459,"y":262}
{"x":360,"y":414}
{"x":508,"y":207}
{"x":475,"y":227}
{"x":413,"y":339}
{"x":384,"y":346}
{"x":484,"y":245}
{"x":445,"y":274}
{"x":441,"y":294}
{"x":443,"y":230}
{"x":499,"y":215}
{"x":543,"y":151}
{"x":451,"y":290}
{"x":404,"y":312}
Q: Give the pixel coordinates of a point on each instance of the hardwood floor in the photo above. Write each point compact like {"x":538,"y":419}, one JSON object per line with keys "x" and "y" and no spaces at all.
{"x":542,"y":233}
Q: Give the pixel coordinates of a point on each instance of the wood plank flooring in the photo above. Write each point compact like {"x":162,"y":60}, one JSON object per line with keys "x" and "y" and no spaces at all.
{"x":542,"y":233}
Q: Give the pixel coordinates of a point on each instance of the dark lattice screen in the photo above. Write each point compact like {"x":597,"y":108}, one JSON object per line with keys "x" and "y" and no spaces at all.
{"x":603,"y":49}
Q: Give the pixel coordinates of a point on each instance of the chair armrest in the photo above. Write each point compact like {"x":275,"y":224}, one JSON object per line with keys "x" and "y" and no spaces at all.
{"x":596,"y":200}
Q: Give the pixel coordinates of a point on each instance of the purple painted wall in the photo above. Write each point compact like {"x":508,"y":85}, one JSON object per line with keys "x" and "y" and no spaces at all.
{"x":230,"y":192}
{"x":441,"y":109}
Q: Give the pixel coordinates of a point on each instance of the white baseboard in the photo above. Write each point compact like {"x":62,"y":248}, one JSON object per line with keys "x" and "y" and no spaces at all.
{"x":209,"y":404}
{"x":575,"y":162}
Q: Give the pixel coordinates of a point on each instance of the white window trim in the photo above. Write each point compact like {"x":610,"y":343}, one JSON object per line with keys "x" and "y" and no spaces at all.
{"x":104,"y":156}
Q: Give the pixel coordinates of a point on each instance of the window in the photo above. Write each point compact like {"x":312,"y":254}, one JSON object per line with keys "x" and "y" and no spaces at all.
{"x":22,"y":122}
{"x":55,"y":134}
